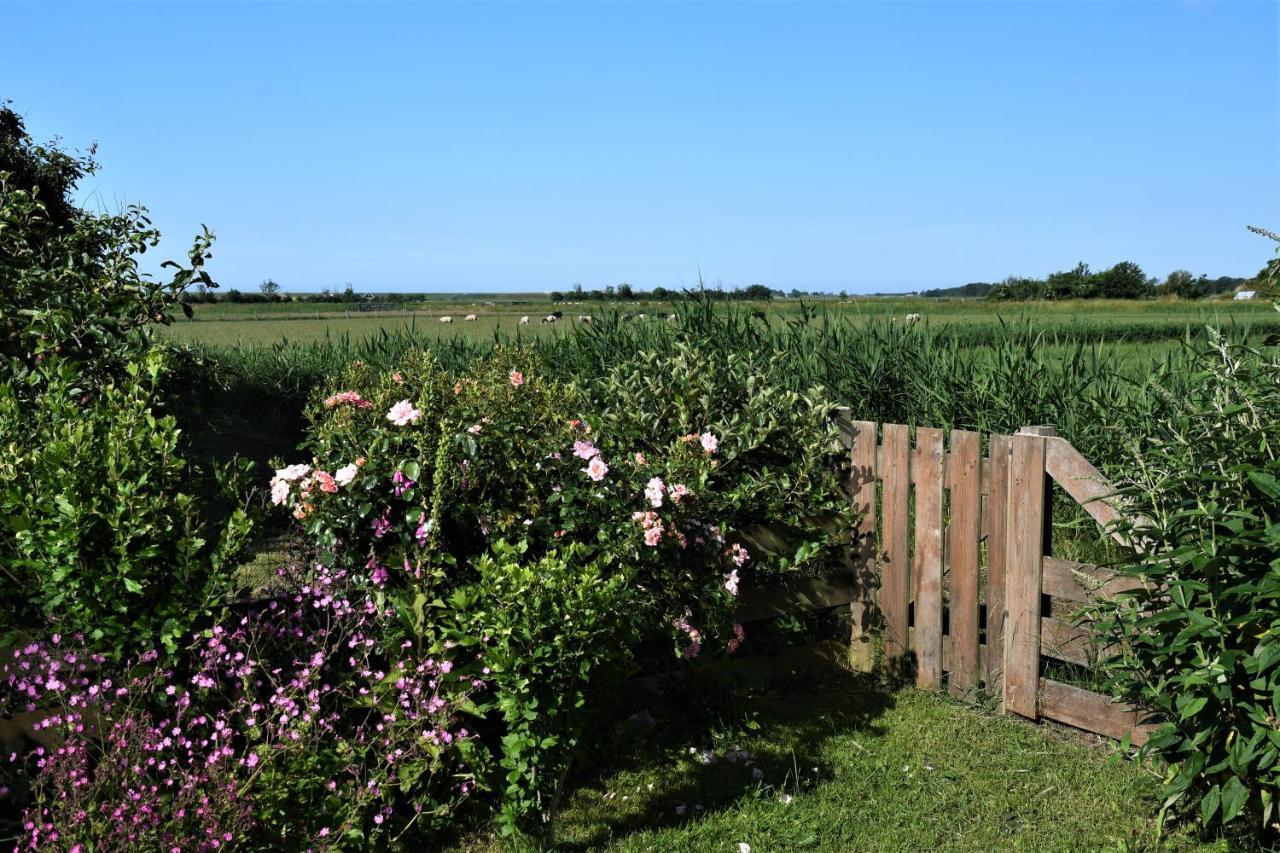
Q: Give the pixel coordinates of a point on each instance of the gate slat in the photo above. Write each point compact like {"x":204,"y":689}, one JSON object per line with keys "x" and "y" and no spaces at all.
{"x":927,"y":563}
{"x":963,"y":532}
{"x":895,"y":581}
{"x":1023,"y":575}
{"x":997,"y":545}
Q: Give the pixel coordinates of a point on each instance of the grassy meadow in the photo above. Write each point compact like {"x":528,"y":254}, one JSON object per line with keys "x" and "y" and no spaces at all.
{"x":230,"y":325}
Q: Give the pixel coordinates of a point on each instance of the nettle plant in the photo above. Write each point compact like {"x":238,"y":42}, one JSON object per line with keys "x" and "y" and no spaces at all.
{"x":1199,"y":642}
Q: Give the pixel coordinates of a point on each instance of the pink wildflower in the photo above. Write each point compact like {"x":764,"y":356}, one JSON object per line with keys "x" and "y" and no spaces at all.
{"x":596,"y":469}
{"x":738,"y":554}
{"x":279,"y":491}
{"x":397,"y":377}
{"x":731,"y":582}
{"x":639,"y":458}
{"x":403,"y":413}
{"x":653,"y":535}
{"x":709,"y":442}
{"x":516,"y":377}
{"x":584,"y":449}
{"x":678,"y":491}
{"x":344,"y":475}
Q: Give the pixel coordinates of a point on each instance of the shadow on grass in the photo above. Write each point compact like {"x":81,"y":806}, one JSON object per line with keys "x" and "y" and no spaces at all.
{"x":772,"y":751}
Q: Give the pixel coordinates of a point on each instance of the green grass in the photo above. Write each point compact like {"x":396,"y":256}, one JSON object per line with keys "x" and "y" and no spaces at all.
{"x":847,"y":766}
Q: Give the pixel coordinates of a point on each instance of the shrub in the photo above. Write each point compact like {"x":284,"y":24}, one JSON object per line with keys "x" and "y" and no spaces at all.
{"x":1199,"y":643}
{"x":101,"y":535}
{"x":491,"y":512}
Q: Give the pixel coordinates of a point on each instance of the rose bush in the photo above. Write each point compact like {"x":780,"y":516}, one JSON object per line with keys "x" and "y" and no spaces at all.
{"x":493,"y":509}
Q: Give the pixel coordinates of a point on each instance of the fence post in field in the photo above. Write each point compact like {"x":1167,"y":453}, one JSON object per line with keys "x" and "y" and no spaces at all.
{"x":1028,"y":511}
{"x":862,"y":494}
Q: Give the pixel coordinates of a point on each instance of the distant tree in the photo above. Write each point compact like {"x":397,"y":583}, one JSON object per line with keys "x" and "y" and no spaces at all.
{"x":1069,"y":284}
{"x":269,"y":288}
{"x":757,"y":292}
{"x":556,"y":296}
{"x":349,"y":294}
{"x":624,"y":291}
{"x":1125,"y":280}
{"x":661,"y":293}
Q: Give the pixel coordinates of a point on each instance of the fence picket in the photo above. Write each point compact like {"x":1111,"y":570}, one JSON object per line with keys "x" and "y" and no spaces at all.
{"x":963,"y":532}
{"x":997,"y":548}
{"x":926,"y":569}
{"x":862,"y":489}
{"x":895,"y":581}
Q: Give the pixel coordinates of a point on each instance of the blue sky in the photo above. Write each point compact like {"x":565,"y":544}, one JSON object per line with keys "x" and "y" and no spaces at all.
{"x":859,"y":146}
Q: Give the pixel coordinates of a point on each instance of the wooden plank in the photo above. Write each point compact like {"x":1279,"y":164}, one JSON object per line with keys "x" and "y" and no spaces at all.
{"x":926,"y":568}
{"x":1082,"y":582}
{"x":1082,"y":481}
{"x":962,"y":559}
{"x":1092,"y":712}
{"x":1064,"y":640}
{"x":862,"y":491}
{"x":997,"y":551}
{"x":1025,"y":550}
{"x":784,"y":597}
{"x":895,"y":570}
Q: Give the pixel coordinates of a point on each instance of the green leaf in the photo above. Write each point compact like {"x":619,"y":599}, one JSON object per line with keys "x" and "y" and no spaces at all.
{"x":1234,"y":796}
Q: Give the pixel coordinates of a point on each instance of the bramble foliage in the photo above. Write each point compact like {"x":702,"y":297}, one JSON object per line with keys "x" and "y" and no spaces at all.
{"x":1199,"y":643}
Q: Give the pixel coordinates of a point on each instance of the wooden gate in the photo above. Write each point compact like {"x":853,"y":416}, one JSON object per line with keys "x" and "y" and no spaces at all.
{"x":954,"y":571}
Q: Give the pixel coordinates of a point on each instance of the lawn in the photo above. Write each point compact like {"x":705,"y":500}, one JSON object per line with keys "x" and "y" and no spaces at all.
{"x":845,"y":765}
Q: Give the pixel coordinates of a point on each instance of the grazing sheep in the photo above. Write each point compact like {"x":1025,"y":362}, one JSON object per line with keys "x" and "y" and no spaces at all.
{"x":671,"y":318}
{"x":550,"y":318}
{"x":446,"y":319}
{"x":641,"y":316}
{"x":584,"y":318}
{"x":470,"y":318}
{"x":524,"y":321}
{"x":913,"y":318}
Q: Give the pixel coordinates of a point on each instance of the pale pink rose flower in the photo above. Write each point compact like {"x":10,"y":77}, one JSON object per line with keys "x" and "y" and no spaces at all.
{"x":584,"y":449}
{"x":516,"y":377}
{"x":403,"y":413}
{"x":639,"y":458}
{"x":326,"y":482}
{"x":279,"y":491}
{"x":653,"y":535}
{"x":731,"y":582}
{"x":678,"y":491}
{"x":475,"y":429}
{"x":291,"y":473}
{"x":344,"y":475}
{"x":596,"y":469}
{"x":653,"y":492}
{"x":738,"y":554}
{"x":709,"y":442}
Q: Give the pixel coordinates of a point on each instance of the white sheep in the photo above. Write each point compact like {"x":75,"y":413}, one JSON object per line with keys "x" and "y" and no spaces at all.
{"x":550,"y":318}
{"x":470,"y":318}
{"x":584,"y":318}
{"x":913,"y":318}
{"x":446,"y":319}
{"x":524,"y":321}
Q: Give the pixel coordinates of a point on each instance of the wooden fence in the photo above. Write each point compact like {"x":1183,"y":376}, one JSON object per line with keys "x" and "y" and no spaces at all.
{"x":952,"y":579}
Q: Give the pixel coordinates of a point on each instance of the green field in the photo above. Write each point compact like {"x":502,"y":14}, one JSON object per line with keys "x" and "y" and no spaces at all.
{"x":229,"y":324}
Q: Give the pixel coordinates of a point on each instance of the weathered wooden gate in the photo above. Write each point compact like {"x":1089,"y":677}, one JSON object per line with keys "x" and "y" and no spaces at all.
{"x":954,"y":570}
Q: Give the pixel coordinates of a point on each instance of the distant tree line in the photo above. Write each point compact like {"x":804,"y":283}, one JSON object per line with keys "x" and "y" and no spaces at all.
{"x":1125,"y":280}
{"x":624,"y":291}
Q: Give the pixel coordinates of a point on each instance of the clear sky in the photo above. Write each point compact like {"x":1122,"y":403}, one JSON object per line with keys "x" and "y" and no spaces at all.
{"x":859,"y":146}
